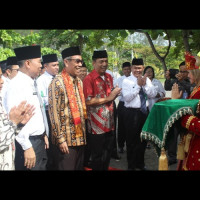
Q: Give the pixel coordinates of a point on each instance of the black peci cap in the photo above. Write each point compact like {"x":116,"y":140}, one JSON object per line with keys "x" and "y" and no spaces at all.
{"x":137,"y":61}
{"x":126,"y":64}
{"x":100,"y":54}
{"x":49,"y":58}
{"x":12,"y":60}
{"x":28,"y":52}
{"x":71,"y":51}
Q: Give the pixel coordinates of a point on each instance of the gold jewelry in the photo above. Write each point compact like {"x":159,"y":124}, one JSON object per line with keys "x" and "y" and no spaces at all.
{"x":189,"y":121}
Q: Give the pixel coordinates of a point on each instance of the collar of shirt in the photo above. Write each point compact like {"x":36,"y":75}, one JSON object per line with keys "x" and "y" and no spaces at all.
{"x":133,"y":77}
{"x":96,"y":75}
{"x":23,"y":76}
{"x":47,"y":74}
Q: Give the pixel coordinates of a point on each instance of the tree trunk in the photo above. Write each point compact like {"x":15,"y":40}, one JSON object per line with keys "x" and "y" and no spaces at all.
{"x":162,"y":59}
{"x":80,"y":39}
{"x":185,"y":40}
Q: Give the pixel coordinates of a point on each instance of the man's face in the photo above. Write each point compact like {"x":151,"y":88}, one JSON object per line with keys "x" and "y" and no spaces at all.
{"x":183,"y":71}
{"x":52,"y":68}
{"x":34,"y":67}
{"x":83,"y":73}
{"x":137,"y":70}
{"x":100,"y":65}
{"x":126,"y":71}
{"x":12,"y":72}
{"x":73,"y":65}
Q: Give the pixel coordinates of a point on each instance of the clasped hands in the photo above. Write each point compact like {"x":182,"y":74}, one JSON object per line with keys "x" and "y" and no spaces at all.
{"x":141,"y":80}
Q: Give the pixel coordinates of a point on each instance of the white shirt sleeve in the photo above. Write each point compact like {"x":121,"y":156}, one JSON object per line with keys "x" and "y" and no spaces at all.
{"x":149,"y":88}
{"x":160,"y":89}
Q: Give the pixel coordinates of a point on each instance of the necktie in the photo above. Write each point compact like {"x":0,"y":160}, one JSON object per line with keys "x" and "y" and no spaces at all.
{"x":143,"y":101}
{"x":42,"y":109}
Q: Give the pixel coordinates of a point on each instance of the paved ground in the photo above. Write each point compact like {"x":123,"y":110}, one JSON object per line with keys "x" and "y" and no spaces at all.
{"x":151,"y":161}
{"x":151,"y":158}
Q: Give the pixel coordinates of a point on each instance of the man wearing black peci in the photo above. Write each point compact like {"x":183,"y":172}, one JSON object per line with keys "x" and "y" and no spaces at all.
{"x":134,"y":89}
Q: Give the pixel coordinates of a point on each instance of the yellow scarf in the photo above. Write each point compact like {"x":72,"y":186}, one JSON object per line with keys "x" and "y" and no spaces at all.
{"x":73,"y":101}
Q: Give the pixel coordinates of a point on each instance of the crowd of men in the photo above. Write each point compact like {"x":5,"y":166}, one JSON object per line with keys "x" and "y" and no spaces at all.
{"x":68,"y":119}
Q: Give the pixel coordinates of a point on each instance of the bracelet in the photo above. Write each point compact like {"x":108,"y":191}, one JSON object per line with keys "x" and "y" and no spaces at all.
{"x":189,"y":121}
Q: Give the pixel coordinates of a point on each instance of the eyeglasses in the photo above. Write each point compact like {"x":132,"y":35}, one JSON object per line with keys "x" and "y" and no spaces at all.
{"x":76,"y":60}
{"x":183,"y":71}
{"x":15,"y":69}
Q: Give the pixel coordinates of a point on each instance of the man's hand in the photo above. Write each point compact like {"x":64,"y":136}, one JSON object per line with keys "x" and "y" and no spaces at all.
{"x":46,"y":141}
{"x":29,"y":158}
{"x":63,"y":147}
{"x":113,"y":95}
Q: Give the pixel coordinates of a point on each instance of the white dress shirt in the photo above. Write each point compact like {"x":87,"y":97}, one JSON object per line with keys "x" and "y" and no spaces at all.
{"x":43,"y":83}
{"x":160,"y":89}
{"x":119,"y":83}
{"x":130,"y":91}
{"x":22,"y":88}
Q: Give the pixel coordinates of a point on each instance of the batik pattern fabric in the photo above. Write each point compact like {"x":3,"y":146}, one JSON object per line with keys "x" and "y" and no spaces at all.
{"x":63,"y":127}
{"x":101,"y":117}
{"x":7,"y":135}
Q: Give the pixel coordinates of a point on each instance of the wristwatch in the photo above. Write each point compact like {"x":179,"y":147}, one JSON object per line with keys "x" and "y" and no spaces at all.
{"x":20,"y":125}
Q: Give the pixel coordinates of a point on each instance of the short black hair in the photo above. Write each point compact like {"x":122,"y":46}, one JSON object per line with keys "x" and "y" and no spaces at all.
{"x":181,"y":64}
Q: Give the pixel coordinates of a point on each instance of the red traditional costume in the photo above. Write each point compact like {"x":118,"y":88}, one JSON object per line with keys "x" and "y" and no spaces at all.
{"x":192,"y":140}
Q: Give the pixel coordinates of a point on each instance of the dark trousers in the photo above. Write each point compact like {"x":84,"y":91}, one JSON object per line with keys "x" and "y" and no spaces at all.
{"x":101,"y":150}
{"x":172,"y":142}
{"x":87,"y":151}
{"x":72,"y":161}
{"x":115,"y":147}
{"x":51,"y":150}
{"x":38,"y":145}
{"x":134,"y":120}
{"x":121,"y":127}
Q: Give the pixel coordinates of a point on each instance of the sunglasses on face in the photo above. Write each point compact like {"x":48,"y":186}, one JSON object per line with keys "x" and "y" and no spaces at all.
{"x":76,"y":60}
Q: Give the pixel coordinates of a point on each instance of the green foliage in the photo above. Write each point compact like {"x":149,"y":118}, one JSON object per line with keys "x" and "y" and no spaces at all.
{"x":5,"y":53}
{"x":30,"y":39}
{"x":114,"y":41}
{"x":9,"y":38}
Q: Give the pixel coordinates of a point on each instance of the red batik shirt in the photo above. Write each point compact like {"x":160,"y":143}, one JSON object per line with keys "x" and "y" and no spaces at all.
{"x":101,"y":117}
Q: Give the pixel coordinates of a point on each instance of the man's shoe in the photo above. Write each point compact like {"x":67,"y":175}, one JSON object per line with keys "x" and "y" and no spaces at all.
{"x":171,"y":162}
{"x":121,"y":150}
{"x":116,"y":157}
